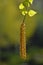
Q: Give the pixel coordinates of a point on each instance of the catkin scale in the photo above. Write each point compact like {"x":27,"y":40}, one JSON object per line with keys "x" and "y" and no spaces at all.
{"x":22,"y":41}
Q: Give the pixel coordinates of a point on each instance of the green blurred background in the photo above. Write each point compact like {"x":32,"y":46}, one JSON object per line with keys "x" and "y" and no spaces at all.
{"x":10,"y":22}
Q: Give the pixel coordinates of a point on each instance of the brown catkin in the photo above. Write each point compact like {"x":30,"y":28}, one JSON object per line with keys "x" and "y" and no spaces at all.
{"x":22,"y":41}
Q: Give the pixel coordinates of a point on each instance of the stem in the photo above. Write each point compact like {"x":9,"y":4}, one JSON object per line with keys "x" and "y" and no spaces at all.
{"x":23,"y":40}
{"x":24,"y":18}
{"x":25,"y":15}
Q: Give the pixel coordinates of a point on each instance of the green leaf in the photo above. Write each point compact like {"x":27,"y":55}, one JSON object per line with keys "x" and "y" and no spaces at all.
{"x":31,"y":1}
{"x":24,"y":13}
{"x":21,"y":6}
{"x":26,"y":4}
{"x":32,"y":13}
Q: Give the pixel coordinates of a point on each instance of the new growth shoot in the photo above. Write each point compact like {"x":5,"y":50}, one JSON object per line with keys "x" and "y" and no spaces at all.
{"x":24,"y":8}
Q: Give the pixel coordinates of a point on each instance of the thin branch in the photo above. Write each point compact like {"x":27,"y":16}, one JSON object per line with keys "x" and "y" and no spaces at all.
{"x":24,"y":18}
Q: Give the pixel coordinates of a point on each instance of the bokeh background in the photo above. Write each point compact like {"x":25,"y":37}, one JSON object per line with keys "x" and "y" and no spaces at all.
{"x":10,"y":22}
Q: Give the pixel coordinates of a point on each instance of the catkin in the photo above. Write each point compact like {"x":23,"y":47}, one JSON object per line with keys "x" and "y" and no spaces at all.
{"x":22,"y":41}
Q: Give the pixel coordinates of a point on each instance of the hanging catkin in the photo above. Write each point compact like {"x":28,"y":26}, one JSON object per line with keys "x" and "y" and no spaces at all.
{"x":22,"y":41}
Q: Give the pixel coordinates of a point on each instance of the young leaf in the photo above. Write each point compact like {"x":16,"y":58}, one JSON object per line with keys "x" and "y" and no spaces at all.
{"x":26,"y":4}
{"x":31,"y":1}
{"x":32,"y":13}
{"x":21,"y":6}
{"x":24,"y":13}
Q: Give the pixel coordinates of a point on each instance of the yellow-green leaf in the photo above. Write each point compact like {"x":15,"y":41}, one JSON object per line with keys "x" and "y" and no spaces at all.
{"x":28,"y":5}
{"x":21,"y":6}
{"x":24,"y":13}
{"x":32,"y":13}
{"x":31,"y":1}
